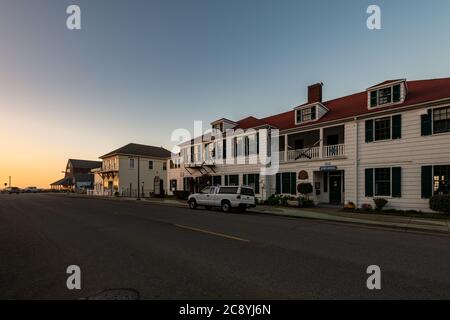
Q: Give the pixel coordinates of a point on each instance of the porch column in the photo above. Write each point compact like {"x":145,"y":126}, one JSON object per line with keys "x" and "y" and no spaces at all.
{"x":321,"y":144}
{"x":285,"y":147}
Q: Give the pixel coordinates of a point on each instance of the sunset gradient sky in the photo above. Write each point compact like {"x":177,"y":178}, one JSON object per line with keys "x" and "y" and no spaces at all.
{"x":140,"y":69}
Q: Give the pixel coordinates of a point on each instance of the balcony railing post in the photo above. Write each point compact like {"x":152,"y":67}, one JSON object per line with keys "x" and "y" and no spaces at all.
{"x":321,"y":144}
{"x":285,"y":147}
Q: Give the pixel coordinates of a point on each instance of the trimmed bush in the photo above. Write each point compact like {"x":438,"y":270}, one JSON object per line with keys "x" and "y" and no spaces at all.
{"x":440,"y":203}
{"x":181,"y":195}
{"x":380,"y":203}
{"x":305,"y":188}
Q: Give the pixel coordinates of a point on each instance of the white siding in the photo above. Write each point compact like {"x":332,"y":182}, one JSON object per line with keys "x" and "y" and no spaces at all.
{"x":411,"y":152}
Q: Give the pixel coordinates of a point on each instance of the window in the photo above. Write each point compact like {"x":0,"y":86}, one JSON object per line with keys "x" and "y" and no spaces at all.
{"x":217,"y":180}
{"x":164,"y":166}
{"x":383,"y":129}
{"x":238,"y":146}
{"x":150,"y":164}
{"x":228,"y":190}
{"x":173,"y":185}
{"x":131,"y":163}
{"x":286,"y":183}
{"x":307,"y":114}
{"x":385,"y":96}
{"x":250,"y":147}
{"x":441,"y":180}
{"x":383,"y":182}
{"x":232,"y":180}
{"x":247,"y":192}
{"x":252,"y":180}
{"x":441,"y":120}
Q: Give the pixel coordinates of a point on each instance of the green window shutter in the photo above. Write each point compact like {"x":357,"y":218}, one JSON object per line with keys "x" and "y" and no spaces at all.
{"x":245,"y":179}
{"x":396,"y":182}
{"x":224,"y":149}
{"x":373,"y":99}
{"x":369,"y":182}
{"x":396,"y":93}
{"x":427,"y":182}
{"x":426,"y":120}
{"x":278,"y":183}
{"x":369,"y":130}
{"x":257,"y":143}
{"x":226,"y":180}
{"x":256,"y":183}
{"x":397,"y":126}
{"x":293,"y":183}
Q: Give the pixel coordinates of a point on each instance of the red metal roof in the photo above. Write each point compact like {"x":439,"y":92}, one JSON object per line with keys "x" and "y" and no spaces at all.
{"x":420,"y":91}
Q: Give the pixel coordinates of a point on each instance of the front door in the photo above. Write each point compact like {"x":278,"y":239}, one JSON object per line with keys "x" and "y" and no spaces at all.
{"x":335,"y":190}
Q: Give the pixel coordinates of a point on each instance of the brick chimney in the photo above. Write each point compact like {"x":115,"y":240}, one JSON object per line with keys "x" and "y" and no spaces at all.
{"x":315,"y":93}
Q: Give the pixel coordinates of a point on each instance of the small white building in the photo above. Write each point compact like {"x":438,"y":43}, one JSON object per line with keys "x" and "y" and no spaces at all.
{"x":131,"y":169}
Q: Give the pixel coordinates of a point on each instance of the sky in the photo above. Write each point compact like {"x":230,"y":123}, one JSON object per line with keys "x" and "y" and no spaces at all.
{"x":137,"y":70}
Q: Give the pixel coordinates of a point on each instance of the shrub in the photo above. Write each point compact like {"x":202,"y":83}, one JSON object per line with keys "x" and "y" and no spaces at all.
{"x":440,"y":203}
{"x":305,"y":203}
{"x":380,"y":203}
{"x":305,"y":188}
{"x":116,"y":194}
{"x":273,"y":200}
{"x":181,"y":195}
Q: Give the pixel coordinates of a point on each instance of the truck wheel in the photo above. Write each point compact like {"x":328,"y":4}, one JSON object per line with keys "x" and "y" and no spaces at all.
{"x":226,"y":206}
{"x":192,"y":204}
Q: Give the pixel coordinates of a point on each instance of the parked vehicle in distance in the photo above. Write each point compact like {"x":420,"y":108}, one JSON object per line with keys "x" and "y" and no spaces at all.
{"x":225,"y":197}
{"x":11,"y":190}
{"x":31,"y":190}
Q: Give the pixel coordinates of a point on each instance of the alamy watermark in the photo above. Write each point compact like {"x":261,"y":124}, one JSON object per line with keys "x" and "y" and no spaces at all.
{"x":227,"y":147}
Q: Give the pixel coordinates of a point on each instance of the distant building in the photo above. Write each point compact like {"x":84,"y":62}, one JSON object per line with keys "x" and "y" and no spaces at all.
{"x":78,"y":175}
{"x":131,"y":168}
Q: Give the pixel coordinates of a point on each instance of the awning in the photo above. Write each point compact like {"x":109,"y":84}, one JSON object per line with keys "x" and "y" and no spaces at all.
{"x":65,"y":182}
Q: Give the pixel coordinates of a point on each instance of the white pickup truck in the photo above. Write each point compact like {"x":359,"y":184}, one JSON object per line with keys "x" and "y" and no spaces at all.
{"x":225,"y":197}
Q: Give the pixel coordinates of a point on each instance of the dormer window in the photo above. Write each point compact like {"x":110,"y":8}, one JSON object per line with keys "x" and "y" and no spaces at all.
{"x":308,"y":114}
{"x":381,"y":96}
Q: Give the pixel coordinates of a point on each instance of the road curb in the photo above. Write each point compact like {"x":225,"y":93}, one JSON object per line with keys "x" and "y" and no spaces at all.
{"x":276,"y":214}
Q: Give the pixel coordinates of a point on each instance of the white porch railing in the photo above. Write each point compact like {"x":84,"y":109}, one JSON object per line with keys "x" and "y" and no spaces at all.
{"x":333,"y":151}
{"x":313,"y":153}
{"x":303,"y":154}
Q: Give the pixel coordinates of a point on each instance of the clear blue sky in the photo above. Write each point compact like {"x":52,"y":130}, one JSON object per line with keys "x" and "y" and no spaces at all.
{"x":139,"y":69}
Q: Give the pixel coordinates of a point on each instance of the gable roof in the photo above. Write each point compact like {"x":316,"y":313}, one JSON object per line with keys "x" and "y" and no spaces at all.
{"x":385,"y":83}
{"x":420,"y":91}
{"x":85,"y":164}
{"x":135,"y":149}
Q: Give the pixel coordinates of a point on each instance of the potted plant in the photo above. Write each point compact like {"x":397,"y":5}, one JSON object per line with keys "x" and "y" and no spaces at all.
{"x":380,"y":203}
{"x":292,"y":202}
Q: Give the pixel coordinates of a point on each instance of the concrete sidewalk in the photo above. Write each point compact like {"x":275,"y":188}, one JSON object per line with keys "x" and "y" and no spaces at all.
{"x":361,"y":218}
{"x":380,"y":220}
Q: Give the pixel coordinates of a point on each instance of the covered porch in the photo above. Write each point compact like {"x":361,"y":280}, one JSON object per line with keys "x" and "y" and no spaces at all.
{"x":321,"y":143}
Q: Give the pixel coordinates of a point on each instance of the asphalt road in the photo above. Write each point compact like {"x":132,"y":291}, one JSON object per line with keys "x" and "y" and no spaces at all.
{"x":175,"y":253}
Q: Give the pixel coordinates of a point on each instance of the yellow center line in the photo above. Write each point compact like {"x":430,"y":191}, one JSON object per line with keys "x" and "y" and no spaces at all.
{"x":212,"y":233}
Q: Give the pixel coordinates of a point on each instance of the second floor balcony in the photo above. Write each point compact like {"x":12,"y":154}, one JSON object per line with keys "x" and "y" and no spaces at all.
{"x":326,"y":143}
